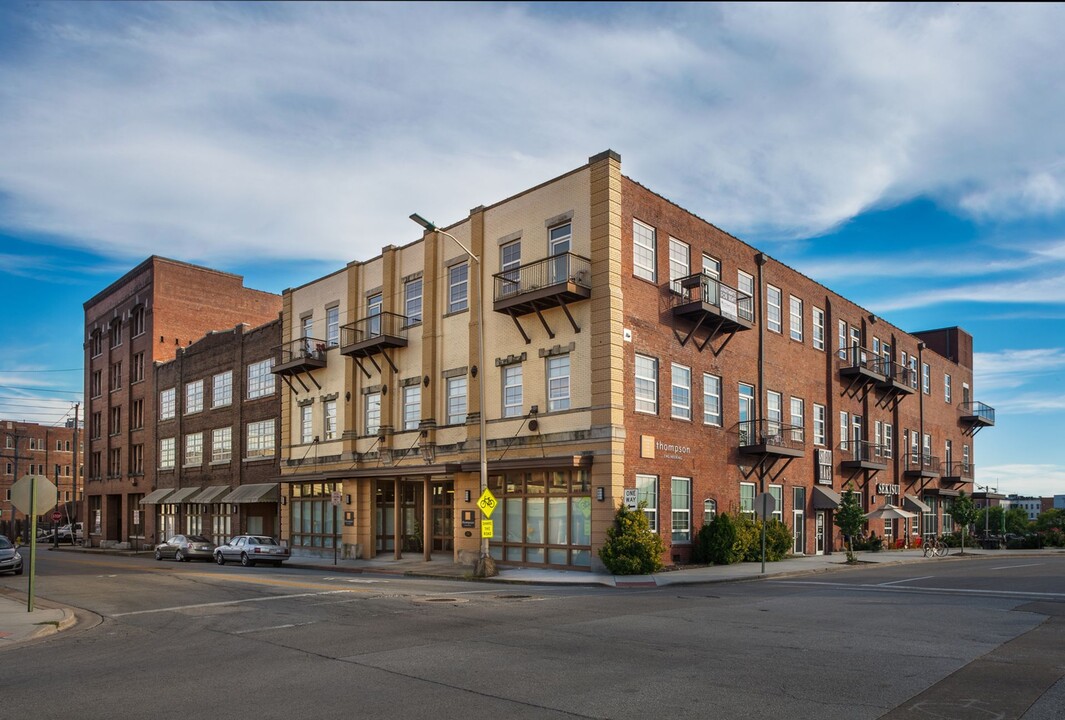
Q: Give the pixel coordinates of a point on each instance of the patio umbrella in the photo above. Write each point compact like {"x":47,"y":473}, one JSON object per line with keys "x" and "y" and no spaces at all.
{"x":890,"y":512}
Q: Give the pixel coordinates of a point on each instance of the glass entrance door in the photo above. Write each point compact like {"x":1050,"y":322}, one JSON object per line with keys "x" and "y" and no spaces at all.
{"x":443,"y":516}
{"x":410,"y":530}
{"x":819,"y":532}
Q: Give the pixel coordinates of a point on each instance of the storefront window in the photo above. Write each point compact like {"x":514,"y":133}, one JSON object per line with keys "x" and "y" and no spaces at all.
{"x":545,"y":518}
{"x":311,"y":515}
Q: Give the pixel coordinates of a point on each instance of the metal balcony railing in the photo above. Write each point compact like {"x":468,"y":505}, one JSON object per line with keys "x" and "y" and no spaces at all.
{"x":733,"y":304}
{"x":920,"y":462}
{"x":771,"y":435}
{"x":561,"y":269}
{"x":895,"y":371}
{"x":978,"y":412}
{"x":959,"y":469}
{"x":379,"y":327}
{"x":300,"y":355}
{"x":859,"y":360}
{"x":864,"y":451}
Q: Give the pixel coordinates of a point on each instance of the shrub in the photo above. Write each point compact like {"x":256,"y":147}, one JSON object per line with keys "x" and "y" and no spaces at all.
{"x":631,"y":547}
{"x":951,"y":540}
{"x":722,"y":541}
{"x":778,"y":539}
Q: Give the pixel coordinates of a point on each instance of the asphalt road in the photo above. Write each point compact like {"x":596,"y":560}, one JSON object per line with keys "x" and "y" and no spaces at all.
{"x":975,"y":639}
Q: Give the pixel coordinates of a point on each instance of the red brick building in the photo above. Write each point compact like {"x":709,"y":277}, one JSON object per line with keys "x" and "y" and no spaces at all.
{"x":217,"y":469}
{"x":141,"y":319}
{"x":33,"y":449}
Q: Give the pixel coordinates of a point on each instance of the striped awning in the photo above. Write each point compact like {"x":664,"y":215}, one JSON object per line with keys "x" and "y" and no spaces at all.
{"x":183,"y":495}
{"x":210,"y":494}
{"x":156,"y":497}
{"x":258,"y":492}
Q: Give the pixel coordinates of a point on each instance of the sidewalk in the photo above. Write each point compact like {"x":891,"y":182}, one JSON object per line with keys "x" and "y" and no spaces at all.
{"x":17,"y":625}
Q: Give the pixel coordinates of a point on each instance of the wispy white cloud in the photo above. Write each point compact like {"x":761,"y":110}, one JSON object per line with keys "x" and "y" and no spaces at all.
{"x":1048,"y":289}
{"x":1005,"y":369}
{"x":215,"y":131}
{"x":1038,"y":480}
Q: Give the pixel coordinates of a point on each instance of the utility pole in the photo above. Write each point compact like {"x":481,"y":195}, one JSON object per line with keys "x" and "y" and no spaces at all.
{"x":74,"y":504}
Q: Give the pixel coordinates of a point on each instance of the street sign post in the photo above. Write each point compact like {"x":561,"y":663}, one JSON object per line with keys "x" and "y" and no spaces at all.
{"x":335,"y":499}
{"x":33,"y":494}
{"x":764,"y":506}
{"x":487,"y":502}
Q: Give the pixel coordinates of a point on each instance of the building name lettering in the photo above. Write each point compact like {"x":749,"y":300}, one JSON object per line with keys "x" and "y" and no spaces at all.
{"x":676,"y":449}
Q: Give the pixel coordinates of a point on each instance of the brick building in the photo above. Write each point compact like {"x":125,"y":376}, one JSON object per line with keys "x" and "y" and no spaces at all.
{"x":33,"y":449}
{"x":139,"y":320}
{"x":629,"y":346}
{"x":218,"y":431}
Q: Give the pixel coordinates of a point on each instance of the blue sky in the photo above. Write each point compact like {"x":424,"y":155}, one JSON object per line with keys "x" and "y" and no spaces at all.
{"x":910,"y":157}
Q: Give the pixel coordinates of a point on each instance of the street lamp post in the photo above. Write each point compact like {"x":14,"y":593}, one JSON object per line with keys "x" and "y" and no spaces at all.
{"x":485,"y":567}
{"x":987,"y":505}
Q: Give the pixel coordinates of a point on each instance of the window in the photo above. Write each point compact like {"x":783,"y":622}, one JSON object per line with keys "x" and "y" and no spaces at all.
{"x":679,"y":263}
{"x":221,"y":445}
{"x":116,"y":333}
{"x":772,"y":310}
{"x":115,"y":377}
{"x":646,"y":384}
{"x":747,"y":499}
{"x":682,"y":509}
{"x":166,"y":454}
{"x":261,"y":439}
{"x":796,"y":318}
{"x":926,"y":378}
{"x":711,"y":399}
{"x":844,"y":426}
{"x":193,"y":397}
{"x":136,"y":415}
{"x":887,"y":440}
{"x":711,"y":267}
{"x":136,"y":460}
{"x":797,"y":419}
{"x":819,"y":328}
{"x":558,"y":383}
{"x":746,"y":413}
{"x":332,"y":326}
{"x":509,"y":264}
{"x":373,"y":312}
{"x":412,"y":407}
{"x":372,"y":413}
{"x":647,"y":493}
{"x":745,"y":284}
{"x":97,"y":383}
{"x":260,"y":379}
{"x":329,"y":419}
{"x":947,"y":392}
{"x":136,"y":322}
{"x":168,"y":404}
{"x":842,"y":338}
{"x":222,"y":389}
{"x":458,"y":284}
{"x":136,"y":368}
{"x":306,"y":423}
{"x":512,"y":391}
{"x":115,"y":421}
{"x":682,"y":392}
{"x":643,"y":251}
{"x":114,"y":463}
{"x":774,"y":411}
{"x":456,"y":400}
{"x":820,"y":417}
{"x":412,"y":300}
{"x":193,"y":449}
{"x":96,"y":345}
{"x":777,"y":492}
{"x":308,"y":333}
{"x":95,"y":426}
{"x":913,"y":371}
{"x":709,"y":510}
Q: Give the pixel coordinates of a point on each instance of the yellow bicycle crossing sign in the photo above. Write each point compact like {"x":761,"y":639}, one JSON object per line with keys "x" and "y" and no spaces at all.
{"x":487,"y":502}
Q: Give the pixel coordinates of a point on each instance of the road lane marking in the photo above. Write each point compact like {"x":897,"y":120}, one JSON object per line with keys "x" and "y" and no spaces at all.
{"x":1010,"y":567}
{"x":175,"y":608}
{"x":273,"y":627}
{"x":926,"y":590}
{"x":894,"y":582}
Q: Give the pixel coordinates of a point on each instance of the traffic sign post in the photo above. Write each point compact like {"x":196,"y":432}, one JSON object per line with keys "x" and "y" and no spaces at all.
{"x":335,"y":499}
{"x":764,"y":506}
{"x":33,"y":494}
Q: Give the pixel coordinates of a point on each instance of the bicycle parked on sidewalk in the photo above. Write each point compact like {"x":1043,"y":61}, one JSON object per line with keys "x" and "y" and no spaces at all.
{"x":934,"y":547}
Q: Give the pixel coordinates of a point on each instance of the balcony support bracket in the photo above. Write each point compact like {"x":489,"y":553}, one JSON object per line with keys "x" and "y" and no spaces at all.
{"x":290,"y":385}
{"x":543,"y":321}
{"x":565,"y":309}
{"x":385,"y":353}
{"x":361,"y":367}
{"x":517,"y":324}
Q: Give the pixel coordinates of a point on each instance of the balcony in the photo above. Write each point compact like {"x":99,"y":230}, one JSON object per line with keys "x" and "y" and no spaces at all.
{"x":859,"y":365}
{"x":977,"y":415}
{"x":864,"y":455}
{"x":549,"y":283}
{"x":299,"y":356}
{"x":920,"y":465}
{"x":705,"y":300}
{"x":374,"y":335}
{"x":897,"y":378}
{"x":771,"y":437}
{"x":958,"y":471}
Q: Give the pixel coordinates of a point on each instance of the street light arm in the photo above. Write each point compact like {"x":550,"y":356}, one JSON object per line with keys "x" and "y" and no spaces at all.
{"x":428,"y":225}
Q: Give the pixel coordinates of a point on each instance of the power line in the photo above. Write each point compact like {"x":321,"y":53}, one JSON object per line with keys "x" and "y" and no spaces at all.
{"x":38,"y":371}
{"x":37,"y":389}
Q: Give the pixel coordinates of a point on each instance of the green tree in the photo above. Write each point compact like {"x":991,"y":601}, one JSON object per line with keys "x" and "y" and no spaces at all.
{"x":718,"y":542}
{"x":1050,"y":519}
{"x":850,"y":519}
{"x":632,"y":547}
{"x":964,"y":512}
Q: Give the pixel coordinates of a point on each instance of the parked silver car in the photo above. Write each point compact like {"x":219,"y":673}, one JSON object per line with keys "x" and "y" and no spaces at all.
{"x":185,"y":547}
{"x":10,"y":559}
{"x":251,"y":549}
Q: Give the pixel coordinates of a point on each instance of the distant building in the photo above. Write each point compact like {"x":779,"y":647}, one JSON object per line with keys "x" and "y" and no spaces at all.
{"x":1059,"y":502}
{"x":33,"y":449}
{"x":1032,"y":506}
{"x":141,"y":319}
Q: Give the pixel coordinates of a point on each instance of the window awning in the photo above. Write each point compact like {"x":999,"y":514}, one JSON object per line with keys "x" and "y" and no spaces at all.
{"x":210,"y":494}
{"x":155,"y":497}
{"x":183,"y":495}
{"x":825,"y":498}
{"x":258,"y":492}
{"x":915,"y":503}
